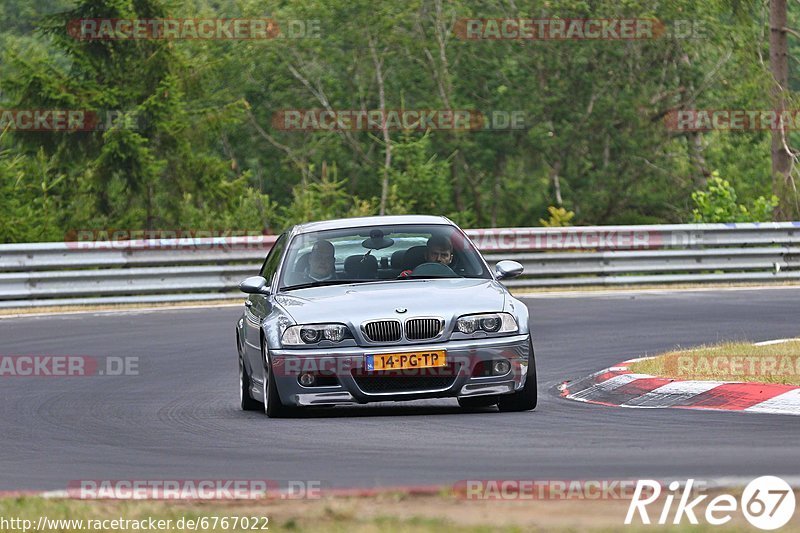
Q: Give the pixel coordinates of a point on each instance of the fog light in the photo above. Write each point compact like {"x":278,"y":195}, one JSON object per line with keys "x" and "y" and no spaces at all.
{"x":307,"y":379}
{"x":501,"y":367}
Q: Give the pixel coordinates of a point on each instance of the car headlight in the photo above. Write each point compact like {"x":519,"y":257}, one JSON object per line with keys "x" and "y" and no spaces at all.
{"x":305,"y":334}
{"x":488,"y":322}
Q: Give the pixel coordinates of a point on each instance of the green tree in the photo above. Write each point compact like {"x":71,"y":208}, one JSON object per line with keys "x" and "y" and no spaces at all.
{"x":138,"y":171}
{"x":324,"y":198}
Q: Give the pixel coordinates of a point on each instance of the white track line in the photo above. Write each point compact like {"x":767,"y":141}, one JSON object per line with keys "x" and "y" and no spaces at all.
{"x":776,"y":341}
{"x":629,"y":292}
{"x":123,"y":310}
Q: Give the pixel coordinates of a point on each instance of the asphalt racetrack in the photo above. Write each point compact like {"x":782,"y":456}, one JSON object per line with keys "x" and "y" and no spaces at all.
{"x":179,"y":418}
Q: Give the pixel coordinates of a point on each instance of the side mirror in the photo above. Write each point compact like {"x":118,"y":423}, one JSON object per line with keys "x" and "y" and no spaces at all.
{"x":507,"y":269}
{"x":254,"y":285}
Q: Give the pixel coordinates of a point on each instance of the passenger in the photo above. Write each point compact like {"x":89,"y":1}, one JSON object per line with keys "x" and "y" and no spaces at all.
{"x":321,"y":262}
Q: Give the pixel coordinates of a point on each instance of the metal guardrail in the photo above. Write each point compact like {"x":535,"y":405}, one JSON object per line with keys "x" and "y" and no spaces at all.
{"x":210,"y":268}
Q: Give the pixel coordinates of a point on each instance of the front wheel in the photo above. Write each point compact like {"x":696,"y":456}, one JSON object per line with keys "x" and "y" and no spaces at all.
{"x":273,"y":406}
{"x":524,"y":399}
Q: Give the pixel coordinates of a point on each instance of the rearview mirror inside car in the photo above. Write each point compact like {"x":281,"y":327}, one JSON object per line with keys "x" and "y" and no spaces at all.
{"x":377,"y":241}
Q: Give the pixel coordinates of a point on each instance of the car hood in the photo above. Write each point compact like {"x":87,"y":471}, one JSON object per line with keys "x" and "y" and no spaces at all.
{"x":364,"y":301}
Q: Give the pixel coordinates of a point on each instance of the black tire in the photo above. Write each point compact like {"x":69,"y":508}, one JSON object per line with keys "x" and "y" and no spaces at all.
{"x":526,"y":398}
{"x":246,"y":401}
{"x":477,"y":402}
{"x":273,"y":406}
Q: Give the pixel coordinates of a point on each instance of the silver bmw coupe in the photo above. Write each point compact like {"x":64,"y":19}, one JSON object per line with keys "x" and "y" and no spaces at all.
{"x":378,"y":309}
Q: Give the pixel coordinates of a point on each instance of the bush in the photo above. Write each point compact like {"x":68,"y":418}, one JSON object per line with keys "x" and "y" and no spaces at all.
{"x":559,"y":217}
{"x":719,"y":203}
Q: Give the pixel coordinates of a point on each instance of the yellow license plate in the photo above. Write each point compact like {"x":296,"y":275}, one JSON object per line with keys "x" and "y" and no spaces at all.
{"x":402,"y":361}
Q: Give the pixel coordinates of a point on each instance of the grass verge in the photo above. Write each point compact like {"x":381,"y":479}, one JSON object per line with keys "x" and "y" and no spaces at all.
{"x":67,"y":309}
{"x":731,"y":361}
{"x":389,"y":512}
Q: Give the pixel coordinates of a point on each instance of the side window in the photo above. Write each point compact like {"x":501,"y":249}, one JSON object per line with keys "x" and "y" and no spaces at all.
{"x":273,"y":259}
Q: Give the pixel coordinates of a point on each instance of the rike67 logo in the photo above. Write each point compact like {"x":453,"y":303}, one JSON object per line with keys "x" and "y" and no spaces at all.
{"x":767,"y":503}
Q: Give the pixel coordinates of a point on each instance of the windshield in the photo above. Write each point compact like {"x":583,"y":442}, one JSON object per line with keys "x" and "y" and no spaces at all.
{"x":401,"y":252}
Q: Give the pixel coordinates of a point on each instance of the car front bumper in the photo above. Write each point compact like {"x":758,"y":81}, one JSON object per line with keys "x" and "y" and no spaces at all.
{"x":464,"y":358}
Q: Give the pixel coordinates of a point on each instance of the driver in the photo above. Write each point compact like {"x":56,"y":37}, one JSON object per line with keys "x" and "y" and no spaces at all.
{"x":439,"y":249}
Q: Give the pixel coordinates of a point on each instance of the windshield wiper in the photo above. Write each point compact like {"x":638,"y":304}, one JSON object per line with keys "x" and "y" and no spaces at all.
{"x":323,"y":283}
